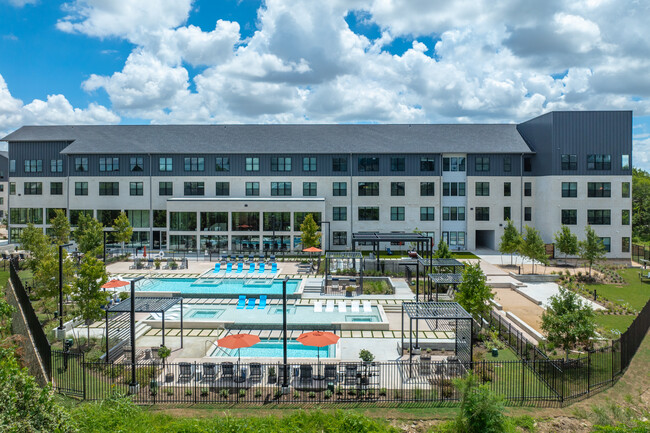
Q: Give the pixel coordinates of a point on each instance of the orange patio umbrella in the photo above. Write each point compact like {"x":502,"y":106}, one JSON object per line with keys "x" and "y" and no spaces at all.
{"x":318,"y":339}
{"x":237,"y":341}
{"x":114,"y":284}
{"x":312,"y":250}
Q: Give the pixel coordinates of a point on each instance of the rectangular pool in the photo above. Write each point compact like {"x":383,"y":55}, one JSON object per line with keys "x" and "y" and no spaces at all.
{"x":273,"y":349}
{"x":205,"y":286}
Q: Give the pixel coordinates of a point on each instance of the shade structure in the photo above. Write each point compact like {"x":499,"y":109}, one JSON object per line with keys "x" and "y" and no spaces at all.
{"x":318,"y":339}
{"x":237,"y":341}
{"x":113,"y":284}
{"x":312,"y":250}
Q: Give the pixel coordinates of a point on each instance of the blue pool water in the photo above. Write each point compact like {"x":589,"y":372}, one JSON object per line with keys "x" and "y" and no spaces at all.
{"x":273,"y":349}
{"x":211,"y":286}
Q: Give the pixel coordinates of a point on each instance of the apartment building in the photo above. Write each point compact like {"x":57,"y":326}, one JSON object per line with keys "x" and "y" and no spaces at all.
{"x":4,"y":183}
{"x":249,"y":187}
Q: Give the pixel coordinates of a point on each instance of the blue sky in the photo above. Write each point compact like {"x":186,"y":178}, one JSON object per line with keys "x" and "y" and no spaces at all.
{"x":341,"y":61}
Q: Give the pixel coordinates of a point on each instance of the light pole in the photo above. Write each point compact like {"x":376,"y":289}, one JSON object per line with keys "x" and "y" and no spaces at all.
{"x":60,"y":332}
{"x":133,"y":386}
{"x":105,"y":231}
{"x":285,"y":378}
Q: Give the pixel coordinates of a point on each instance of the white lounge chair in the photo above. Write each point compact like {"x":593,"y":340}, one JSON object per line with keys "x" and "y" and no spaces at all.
{"x":354,"y":307}
{"x":342,"y":306}
{"x":367,"y":308}
{"x":318,"y":307}
{"x":329,"y":308}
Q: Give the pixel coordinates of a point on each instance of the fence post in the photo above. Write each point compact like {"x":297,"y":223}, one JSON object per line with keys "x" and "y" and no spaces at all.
{"x":562,"y":383}
{"x":195,"y":383}
{"x":523,"y":376}
{"x":588,"y":371}
{"x":83,"y":369}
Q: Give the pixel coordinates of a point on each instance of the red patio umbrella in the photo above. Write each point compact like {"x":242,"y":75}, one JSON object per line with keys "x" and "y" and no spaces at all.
{"x":113,"y":284}
{"x":312,"y":250}
{"x":237,"y":341}
{"x":318,"y":339}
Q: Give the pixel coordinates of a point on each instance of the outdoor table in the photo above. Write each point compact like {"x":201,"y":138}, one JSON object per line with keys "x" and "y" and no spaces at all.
{"x":241,"y":375}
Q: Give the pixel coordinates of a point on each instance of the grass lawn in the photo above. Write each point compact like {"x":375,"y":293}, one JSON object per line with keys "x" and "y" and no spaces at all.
{"x":4,"y":277}
{"x":611,"y":322}
{"x":465,"y":255}
{"x":635,"y":292}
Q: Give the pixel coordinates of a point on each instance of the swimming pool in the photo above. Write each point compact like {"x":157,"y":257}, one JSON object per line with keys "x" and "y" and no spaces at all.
{"x":216,"y":286}
{"x":273,"y":349}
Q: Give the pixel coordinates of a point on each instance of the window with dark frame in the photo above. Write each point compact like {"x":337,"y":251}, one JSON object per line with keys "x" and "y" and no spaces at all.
{"x":136,"y":163}
{"x":340,"y":238}
{"x":482,"y":189}
{"x":397,"y":189}
{"x":56,"y":166}
{"x":368,"y":213}
{"x":165,"y":164}
{"x":368,"y":164}
{"x":397,"y":163}
{"x":397,"y":213}
{"x":309,"y":163}
{"x":56,"y":188}
{"x":482,"y":163}
{"x":109,"y":164}
{"x":109,"y":188}
{"x":528,"y":189}
{"x":136,"y":188}
{"x":507,"y":164}
{"x":453,"y":189}
{"x":427,"y":213}
{"x":599,"y":216}
{"x":427,"y":164}
{"x":252,"y":164}
{"x":340,"y":213}
{"x":482,"y":213}
{"x":368,"y":189}
{"x":569,"y":162}
{"x":599,"y":162}
{"x":194,"y":188}
{"x":309,"y":189}
{"x":194,"y":164}
{"x":339,"y":164}
{"x":569,"y":189}
{"x":599,"y":189}
{"x":252,"y":188}
{"x":165,"y":188}
{"x":569,"y":217}
{"x":507,"y":189}
{"x":507,"y":213}
{"x":427,"y":189}
{"x":528,"y":213}
{"x":222,"y":189}
{"x":280,"y":188}
{"x":339,"y":189}
{"x":222,"y":163}
{"x":280,"y":164}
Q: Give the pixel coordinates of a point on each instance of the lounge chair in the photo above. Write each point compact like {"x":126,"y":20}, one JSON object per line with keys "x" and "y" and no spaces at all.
{"x":367,"y":308}
{"x":306,"y":373}
{"x":241,"y":303}
{"x":389,"y":252}
{"x":217,"y":268}
{"x":240,"y":267}
{"x":272,"y":258}
{"x":318,"y":307}
{"x":227,"y":370}
{"x":335,"y":283}
{"x":251,"y":303}
{"x":262,"y":304}
{"x":281,"y":373}
{"x":342,"y":306}
{"x":251,"y":268}
{"x":354,"y":306}
{"x":240,"y":257}
{"x":209,"y":371}
{"x":331,"y":375}
{"x":186,"y":373}
{"x":229,"y":267}
{"x":274,"y":268}
{"x":256,"y":371}
{"x":329,"y":308}
{"x":261,"y":271}
{"x":351,"y":371}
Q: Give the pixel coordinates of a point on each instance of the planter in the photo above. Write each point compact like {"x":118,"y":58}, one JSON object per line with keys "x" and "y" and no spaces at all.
{"x":495,"y":352}
{"x":348,"y":293}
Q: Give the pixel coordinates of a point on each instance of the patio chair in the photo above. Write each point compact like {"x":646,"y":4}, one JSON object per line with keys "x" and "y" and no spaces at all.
{"x":227,"y":370}
{"x":305,"y":373}
{"x":240,"y":267}
{"x":367,"y":307}
{"x":318,"y":307}
{"x":354,"y":306}
{"x":241,"y":303}
{"x":240,"y":257}
{"x":329,"y":308}
{"x":262,"y":304}
{"x":342,"y":307}
{"x":331,"y":374}
{"x":217,"y":268}
{"x":274,"y":268}
{"x":186,"y":372}
{"x":281,"y":373}
{"x":229,"y":268}
{"x":272,"y":258}
{"x":261,"y":271}
{"x":209,"y":371}
{"x":251,"y":303}
{"x":351,"y":371}
{"x":255,"y":371}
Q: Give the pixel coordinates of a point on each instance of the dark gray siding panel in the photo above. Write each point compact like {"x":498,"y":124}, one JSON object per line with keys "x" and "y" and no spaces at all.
{"x":538,"y":134}
{"x":45,"y":151}
{"x":496,"y":165}
{"x":4,"y":169}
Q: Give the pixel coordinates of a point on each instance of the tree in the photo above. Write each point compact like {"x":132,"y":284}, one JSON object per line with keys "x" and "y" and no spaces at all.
{"x":510,"y":240}
{"x":591,"y":249}
{"x":481,"y":410}
{"x":60,"y":230}
{"x":443,"y":252}
{"x":88,"y":294}
{"x":122,"y":230}
{"x":566,"y":242}
{"x":46,"y":273}
{"x":89,"y":235}
{"x":474,"y":294}
{"x":532,"y":246}
{"x":568,"y":321}
{"x":640,"y":208}
{"x":34,"y":241}
{"x":310,"y":235}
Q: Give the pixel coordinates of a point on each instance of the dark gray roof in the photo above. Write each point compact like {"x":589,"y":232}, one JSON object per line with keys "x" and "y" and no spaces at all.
{"x":4,"y":154}
{"x":435,"y":310}
{"x":313,"y":138}
{"x":145,"y":305}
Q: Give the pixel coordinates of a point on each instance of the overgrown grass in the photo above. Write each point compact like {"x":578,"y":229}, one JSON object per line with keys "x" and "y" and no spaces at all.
{"x":376,"y":288}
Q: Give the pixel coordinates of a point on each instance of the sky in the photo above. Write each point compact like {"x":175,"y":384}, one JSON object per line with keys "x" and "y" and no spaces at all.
{"x":314,"y":61}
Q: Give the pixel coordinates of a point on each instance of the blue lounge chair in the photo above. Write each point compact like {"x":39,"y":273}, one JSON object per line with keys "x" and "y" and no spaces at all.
{"x":251,"y":303}
{"x":229,"y":267}
{"x":217,"y":268}
{"x":242,"y":302}
{"x":251,"y":268}
{"x":274,"y":268}
{"x":262,"y":302}
{"x":241,"y":258}
{"x":240,"y":267}
{"x":261,"y":271}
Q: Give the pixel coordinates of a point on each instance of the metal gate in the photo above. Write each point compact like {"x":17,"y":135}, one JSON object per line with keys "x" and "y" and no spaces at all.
{"x":68,"y":373}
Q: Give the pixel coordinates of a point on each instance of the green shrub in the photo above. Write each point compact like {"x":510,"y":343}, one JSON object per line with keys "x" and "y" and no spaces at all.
{"x":188,"y":392}
{"x":327,"y":394}
{"x":277,"y":394}
{"x":242,"y":393}
{"x":296,"y":395}
{"x":169,"y":391}
{"x":258,"y":393}
{"x":205,"y":392}
{"x":224,"y":393}
{"x":481,"y":411}
{"x":382,"y":391}
{"x":312,"y":394}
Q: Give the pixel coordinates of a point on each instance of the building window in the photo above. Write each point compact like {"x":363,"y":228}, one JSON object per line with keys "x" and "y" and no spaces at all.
{"x":625,"y":189}
{"x":528,"y":164}
{"x":625,"y":214}
{"x":427,"y":189}
{"x":368,"y":214}
{"x":56,"y":188}
{"x":507,"y":189}
{"x":340,"y":238}
{"x":569,"y":217}
{"x":482,"y":214}
{"x":309,"y":189}
{"x":222,"y":164}
{"x":33,"y":188}
{"x":109,"y":188}
{"x":252,"y":188}
{"x":252,"y":164}
{"x":599,"y":189}
{"x":280,"y":164}
{"x":453,"y":163}
{"x":599,"y":162}
{"x":194,"y":188}
{"x":528,"y":189}
{"x":599,"y":216}
{"x":625,"y":162}
{"x":136,"y":163}
{"x":339,"y":164}
{"x":397,"y":213}
{"x":368,"y":164}
{"x":81,"y":188}
{"x":368,"y":189}
{"x":33,"y":165}
{"x":528,"y":213}
{"x":625,"y":245}
{"x":340,"y":189}
{"x":569,"y":189}
{"x":12,"y":166}
{"x":427,"y":164}
{"x":482,"y":189}
{"x":397,"y":189}
{"x":136,"y":188}
{"x":340,"y":214}
{"x":427,"y":214}
{"x":21,"y":215}
{"x":453,"y":189}
{"x":194,"y":164}
{"x":109,"y":164}
{"x":569,"y":162}
{"x":453,"y":213}
{"x":507,"y":164}
{"x":309,"y":163}
{"x":165,"y":188}
{"x":482,"y":163}
{"x":454,"y":239}
{"x":280,"y":188}
{"x":507,"y":213}
{"x":607,"y":243}
{"x":165,"y":164}
{"x":182,"y":221}
{"x":397,"y":163}
{"x":12,"y":188}
{"x":222,"y":189}
{"x":56,"y":166}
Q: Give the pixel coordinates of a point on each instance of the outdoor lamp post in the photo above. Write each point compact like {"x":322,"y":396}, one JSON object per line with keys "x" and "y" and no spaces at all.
{"x":60,"y":332}
{"x":133,"y":386}
{"x":105,"y":231}
{"x":285,"y":367}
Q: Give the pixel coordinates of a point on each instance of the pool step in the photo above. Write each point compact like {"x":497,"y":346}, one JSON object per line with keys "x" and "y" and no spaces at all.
{"x":141,"y":329}
{"x":313,"y":285}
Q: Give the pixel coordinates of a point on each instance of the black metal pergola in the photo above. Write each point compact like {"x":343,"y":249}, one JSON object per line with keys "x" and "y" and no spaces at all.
{"x":453,"y":317}
{"x":423,"y":243}
{"x":348,"y":256}
{"x":144,"y":305}
{"x":447,"y":263}
{"x":442,"y":279}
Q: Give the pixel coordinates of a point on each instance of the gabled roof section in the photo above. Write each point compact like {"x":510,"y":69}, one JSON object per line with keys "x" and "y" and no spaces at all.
{"x":261,"y":139}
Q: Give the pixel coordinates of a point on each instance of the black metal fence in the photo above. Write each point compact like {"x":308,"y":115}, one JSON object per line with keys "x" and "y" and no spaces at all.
{"x":41,"y":344}
{"x":640,"y":252}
